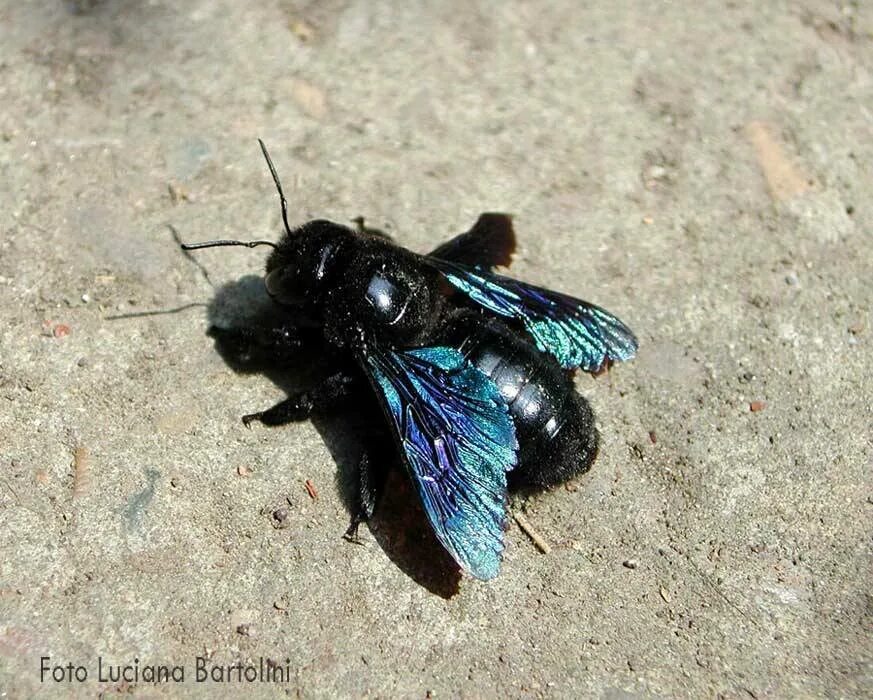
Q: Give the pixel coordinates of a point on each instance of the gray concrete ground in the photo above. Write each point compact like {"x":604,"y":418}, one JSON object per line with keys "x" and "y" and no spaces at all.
{"x":702,"y":169}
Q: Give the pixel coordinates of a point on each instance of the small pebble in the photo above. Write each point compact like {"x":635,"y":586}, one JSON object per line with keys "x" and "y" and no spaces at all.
{"x":629,"y":563}
{"x":280,"y":518}
{"x":302,"y":29}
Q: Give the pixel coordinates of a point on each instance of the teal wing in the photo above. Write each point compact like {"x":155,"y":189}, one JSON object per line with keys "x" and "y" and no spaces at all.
{"x":457,"y":440}
{"x":576,"y":333}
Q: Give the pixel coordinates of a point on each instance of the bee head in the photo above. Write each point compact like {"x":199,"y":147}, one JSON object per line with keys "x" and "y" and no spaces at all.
{"x":301,"y":263}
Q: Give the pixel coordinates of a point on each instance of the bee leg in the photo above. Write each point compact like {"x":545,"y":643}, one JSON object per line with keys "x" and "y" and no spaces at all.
{"x":257,"y":344}
{"x":331,"y":392}
{"x":371,"y":481}
{"x":363,"y":230}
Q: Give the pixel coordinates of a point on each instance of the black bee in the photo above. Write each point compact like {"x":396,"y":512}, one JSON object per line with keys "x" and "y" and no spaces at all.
{"x":472,"y":369}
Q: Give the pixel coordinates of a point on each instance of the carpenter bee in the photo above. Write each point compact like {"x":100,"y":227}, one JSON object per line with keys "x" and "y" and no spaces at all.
{"x":472,"y":369}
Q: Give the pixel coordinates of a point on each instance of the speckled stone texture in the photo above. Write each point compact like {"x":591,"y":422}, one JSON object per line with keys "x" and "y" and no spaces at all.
{"x":701,"y":169}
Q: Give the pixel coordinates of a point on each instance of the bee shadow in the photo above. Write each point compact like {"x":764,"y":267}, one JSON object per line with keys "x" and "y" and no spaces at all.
{"x":400,"y":526}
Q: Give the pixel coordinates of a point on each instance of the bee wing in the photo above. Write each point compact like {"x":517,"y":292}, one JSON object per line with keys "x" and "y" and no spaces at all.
{"x":457,"y":440}
{"x":490,"y":242}
{"x":576,"y":333}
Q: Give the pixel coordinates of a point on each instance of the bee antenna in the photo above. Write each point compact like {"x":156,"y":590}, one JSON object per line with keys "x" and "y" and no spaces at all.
{"x":278,"y":187}
{"x":215,"y":244}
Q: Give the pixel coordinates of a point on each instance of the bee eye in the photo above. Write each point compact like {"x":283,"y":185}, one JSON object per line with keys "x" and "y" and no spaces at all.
{"x":283,"y":285}
{"x":273,"y":281}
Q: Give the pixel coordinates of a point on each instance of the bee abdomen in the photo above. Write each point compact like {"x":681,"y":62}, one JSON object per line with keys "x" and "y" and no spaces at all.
{"x":554,"y":425}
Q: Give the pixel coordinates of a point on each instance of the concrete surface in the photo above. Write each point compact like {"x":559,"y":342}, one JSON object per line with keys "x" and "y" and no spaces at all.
{"x":702,"y":169}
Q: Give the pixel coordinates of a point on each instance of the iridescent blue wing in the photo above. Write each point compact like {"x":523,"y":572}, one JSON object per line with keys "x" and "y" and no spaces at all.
{"x":457,"y":440}
{"x":576,"y":333}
